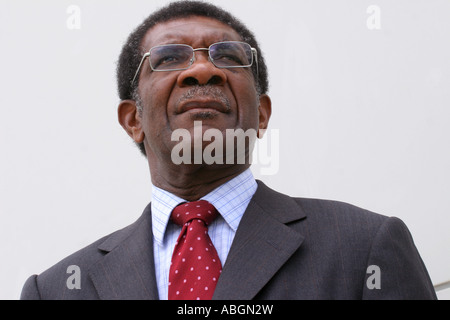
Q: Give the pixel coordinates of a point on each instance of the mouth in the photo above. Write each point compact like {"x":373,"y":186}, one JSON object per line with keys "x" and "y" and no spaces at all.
{"x":203,"y":106}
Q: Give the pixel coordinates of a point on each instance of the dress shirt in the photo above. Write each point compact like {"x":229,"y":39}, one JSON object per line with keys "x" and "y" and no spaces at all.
{"x":230,"y":199}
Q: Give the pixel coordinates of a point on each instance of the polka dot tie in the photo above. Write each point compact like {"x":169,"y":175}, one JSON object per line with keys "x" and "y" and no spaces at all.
{"x":195,"y":266}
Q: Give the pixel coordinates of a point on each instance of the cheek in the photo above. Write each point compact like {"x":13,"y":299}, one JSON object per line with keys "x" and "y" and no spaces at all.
{"x":247,"y":103}
{"x":154,"y":98}
{"x":155,"y":122}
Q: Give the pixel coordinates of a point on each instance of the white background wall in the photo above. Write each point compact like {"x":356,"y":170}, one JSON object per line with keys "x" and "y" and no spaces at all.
{"x":363,"y":117}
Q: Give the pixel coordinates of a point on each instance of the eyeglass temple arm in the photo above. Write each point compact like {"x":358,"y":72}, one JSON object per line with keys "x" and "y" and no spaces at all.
{"x":140,"y":65}
{"x":256,"y":60}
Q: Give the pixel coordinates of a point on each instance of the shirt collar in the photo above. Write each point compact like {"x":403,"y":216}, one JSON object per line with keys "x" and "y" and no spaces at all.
{"x":230,"y":199}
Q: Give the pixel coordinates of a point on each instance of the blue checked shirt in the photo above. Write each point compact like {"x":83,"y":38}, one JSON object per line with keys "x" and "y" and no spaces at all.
{"x":230,"y":199}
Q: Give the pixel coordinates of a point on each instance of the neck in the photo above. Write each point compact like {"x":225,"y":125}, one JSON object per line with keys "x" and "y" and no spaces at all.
{"x":191,"y":182}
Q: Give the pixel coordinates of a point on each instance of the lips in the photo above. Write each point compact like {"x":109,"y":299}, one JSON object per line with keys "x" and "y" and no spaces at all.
{"x":203,"y":105}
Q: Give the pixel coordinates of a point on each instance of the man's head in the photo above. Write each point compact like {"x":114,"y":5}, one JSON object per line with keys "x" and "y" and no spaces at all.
{"x":132,"y":50}
{"x":158,"y":103}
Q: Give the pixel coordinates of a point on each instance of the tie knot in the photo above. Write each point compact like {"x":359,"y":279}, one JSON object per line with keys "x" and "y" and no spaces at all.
{"x":202,"y":210}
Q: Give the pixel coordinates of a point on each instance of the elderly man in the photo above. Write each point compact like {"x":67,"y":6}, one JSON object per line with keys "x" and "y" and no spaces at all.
{"x":212,"y":231}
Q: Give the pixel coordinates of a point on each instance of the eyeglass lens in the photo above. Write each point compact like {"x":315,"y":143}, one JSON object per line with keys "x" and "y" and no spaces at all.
{"x":223,"y":55}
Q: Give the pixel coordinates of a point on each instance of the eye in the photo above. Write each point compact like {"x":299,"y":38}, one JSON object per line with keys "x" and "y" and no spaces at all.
{"x":168,"y":59}
{"x":229,"y":54}
{"x":228,"y":58}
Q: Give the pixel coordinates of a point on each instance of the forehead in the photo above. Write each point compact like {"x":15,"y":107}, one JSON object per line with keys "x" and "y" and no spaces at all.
{"x":194,"y":31}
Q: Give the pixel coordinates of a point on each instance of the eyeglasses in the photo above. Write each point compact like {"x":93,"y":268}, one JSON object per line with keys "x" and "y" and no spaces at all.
{"x":174,"y":57}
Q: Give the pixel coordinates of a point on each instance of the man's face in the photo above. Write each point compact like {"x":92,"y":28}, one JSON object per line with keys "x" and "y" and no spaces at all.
{"x":220,"y":98}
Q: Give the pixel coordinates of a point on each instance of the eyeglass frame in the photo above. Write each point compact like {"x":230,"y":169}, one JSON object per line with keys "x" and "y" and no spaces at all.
{"x":192,"y":60}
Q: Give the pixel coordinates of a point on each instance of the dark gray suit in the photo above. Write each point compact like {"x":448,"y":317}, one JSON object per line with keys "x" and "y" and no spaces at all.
{"x":284,"y":248}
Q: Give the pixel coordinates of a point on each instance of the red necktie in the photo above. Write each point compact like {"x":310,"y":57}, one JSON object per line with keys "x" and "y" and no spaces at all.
{"x":195,"y":266}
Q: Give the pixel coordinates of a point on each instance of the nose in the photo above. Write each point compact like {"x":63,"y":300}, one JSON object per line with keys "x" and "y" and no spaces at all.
{"x":202,"y":72}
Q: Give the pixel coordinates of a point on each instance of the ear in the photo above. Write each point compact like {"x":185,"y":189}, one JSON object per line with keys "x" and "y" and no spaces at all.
{"x":130,"y":120}
{"x":265,"y":111}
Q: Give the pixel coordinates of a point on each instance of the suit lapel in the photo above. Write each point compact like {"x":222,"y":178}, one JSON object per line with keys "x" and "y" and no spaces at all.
{"x":262,"y":245}
{"x":127,"y":270}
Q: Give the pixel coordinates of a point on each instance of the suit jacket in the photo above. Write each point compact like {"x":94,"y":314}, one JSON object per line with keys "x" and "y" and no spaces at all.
{"x":284,"y":248}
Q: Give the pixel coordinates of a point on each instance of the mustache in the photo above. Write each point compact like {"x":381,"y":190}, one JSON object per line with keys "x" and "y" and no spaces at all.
{"x":207,"y":91}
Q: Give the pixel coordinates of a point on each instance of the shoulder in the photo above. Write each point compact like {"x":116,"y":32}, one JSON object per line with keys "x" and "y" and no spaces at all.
{"x":326,"y":213}
{"x":342,"y":240}
{"x":53,"y":283}
{"x":352,"y":222}
{"x":330,"y":225}
{"x":341,"y":226}
{"x":338,"y":212}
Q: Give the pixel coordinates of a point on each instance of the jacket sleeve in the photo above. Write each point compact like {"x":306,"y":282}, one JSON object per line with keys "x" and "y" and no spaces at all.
{"x":395,"y":269}
{"x":30,"y":289}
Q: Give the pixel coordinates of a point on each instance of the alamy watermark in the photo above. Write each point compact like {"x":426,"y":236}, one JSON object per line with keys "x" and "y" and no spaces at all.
{"x":73,"y":21}
{"x":236,"y":146}
{"x":374,"y":280}
{"x":74,"y":280}
{"x":373,"y":22}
